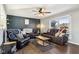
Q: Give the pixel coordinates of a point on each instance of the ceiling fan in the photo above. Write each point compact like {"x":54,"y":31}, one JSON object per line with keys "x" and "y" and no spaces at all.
{"x":41,"y":11}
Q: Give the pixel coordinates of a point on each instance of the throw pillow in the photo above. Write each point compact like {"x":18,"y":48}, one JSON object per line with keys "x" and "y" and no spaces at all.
{"x":20,"y":35}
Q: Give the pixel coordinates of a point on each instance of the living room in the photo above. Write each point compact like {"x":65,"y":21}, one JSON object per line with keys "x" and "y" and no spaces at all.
{"x":36,"y":29}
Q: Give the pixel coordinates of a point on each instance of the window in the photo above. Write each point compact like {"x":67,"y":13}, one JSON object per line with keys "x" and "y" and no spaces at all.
{"x":26,"y":21}
{"x":64,"y":20}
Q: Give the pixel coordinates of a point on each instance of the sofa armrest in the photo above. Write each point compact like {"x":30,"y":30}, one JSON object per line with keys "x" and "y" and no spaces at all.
{"x":9,"y":43}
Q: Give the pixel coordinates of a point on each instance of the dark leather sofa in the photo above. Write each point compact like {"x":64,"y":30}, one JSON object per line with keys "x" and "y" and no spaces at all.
{"x":35,"y":32}
{"x":21,"y":42}
{"x":58,"y":40}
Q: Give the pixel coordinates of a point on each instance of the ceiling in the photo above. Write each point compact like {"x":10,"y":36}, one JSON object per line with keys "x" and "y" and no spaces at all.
{"x":25,"y":10}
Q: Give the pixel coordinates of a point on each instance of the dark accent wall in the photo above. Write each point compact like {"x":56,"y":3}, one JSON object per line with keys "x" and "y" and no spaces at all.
{"x":17,"y":22}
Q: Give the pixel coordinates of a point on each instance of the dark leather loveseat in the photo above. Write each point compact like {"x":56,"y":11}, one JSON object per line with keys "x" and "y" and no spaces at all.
{"x":58,"y":40}
{"x":22,"y":40}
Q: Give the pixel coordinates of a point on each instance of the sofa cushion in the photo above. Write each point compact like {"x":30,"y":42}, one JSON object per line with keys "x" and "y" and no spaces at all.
{"x":20,"y":36}
{"x":53,"y":31}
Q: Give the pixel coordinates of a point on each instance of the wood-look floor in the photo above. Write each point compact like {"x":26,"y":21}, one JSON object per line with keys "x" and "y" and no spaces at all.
{"x":56,"y":49}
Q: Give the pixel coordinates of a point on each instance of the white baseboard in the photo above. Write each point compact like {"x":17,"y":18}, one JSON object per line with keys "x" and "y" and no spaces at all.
{"x":73,"y":43}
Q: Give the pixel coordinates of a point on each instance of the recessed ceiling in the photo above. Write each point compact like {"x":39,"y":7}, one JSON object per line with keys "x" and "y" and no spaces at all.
{"x":25,"y":10}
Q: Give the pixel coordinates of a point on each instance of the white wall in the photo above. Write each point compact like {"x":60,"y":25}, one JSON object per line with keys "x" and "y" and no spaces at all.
{"x":75,"y":27}
{"x":2,"y":22}
{"x":74,"y":24}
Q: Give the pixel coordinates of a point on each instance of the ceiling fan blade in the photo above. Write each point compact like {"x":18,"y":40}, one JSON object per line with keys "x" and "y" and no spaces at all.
{"x":36,"y":13}
{"x":46,"y":12}
{"x":40,"y":9}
